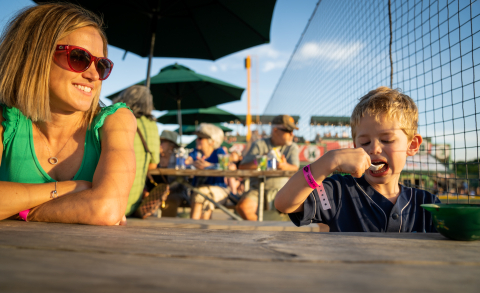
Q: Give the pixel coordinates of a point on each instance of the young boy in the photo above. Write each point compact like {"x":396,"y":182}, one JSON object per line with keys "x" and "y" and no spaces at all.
{"x":384,"y":131}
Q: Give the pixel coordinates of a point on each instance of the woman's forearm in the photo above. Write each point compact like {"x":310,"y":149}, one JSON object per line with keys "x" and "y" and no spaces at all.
{"x":17,"y":197}
{"x":91,"y":207}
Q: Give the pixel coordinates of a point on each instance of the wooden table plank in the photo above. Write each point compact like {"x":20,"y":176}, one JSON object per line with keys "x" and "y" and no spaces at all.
{"x":45,"y":257}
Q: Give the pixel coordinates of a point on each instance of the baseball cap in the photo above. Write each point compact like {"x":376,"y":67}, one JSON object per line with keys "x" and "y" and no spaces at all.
{"x":170,"y":136}
{"x":286,"y":121}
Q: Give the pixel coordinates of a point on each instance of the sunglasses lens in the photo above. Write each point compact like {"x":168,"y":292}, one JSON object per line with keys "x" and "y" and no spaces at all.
{"x":104,"y":67}
{"x":79,"y":59}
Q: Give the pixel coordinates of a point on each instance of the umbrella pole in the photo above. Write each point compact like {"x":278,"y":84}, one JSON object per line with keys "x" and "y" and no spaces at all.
{"x":152,"y":45}
{"x":179,"y":119}
{"x":150,"y":57}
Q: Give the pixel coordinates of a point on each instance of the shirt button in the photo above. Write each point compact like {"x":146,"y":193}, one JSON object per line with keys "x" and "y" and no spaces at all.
{"x":395,"y":216}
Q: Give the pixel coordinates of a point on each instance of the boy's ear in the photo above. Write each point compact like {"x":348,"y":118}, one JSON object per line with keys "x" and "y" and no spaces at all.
{"x":414,"y":145}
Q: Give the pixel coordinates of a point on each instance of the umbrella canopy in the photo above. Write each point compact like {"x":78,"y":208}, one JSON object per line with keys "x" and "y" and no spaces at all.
{"x":262,"y":119}
{"x":189,"y":129}
{"x":203,"y":29}
{"x":196,"y":116}
{"x":179,"y":83}
{"x":330,"y":120}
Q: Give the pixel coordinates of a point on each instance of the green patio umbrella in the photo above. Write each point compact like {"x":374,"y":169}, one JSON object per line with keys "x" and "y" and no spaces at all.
{"x":196,"y":116}
{"x":176,"y":84}
{"x":203,"y":29}
{"x":189,"y":129}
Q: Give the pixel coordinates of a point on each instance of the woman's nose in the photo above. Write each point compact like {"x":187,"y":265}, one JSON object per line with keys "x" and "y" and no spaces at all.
{"x":91,"y":73}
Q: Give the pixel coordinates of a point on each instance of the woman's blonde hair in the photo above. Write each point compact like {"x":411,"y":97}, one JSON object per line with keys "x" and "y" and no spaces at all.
{"x":27,"y":46}
{"x":390,"y":103}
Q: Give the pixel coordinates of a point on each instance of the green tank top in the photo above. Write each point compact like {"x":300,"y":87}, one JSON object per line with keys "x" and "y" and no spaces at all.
{"x":19,"y":161}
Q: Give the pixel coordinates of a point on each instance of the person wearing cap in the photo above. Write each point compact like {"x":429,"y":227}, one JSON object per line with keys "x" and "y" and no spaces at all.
{"x":281,"y":140}
{"x":177,"y":192}
{"x":205,"y":156}
{"x":168,"y":143}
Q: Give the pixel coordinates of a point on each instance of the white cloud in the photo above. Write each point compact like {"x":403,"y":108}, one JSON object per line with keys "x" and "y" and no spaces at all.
{"x":332,"y":51}
{"x":267,"y":56}
{"x":271,"y":65}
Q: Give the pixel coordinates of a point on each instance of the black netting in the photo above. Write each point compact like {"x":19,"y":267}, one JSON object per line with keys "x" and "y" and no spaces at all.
{"x":347,"y":49}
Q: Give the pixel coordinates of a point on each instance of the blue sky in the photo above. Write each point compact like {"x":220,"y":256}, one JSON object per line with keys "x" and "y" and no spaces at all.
{"x":288,"y":23}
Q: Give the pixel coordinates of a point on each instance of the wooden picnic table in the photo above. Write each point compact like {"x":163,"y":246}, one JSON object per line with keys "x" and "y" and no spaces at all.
{"x":261,"y":175}
{"x":145,"y":257}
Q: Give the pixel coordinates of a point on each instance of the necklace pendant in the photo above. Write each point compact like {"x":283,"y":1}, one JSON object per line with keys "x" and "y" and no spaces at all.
{"x":53,"y":160}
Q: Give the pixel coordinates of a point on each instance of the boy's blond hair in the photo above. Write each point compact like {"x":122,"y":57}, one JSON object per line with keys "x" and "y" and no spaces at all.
{"x":27,"y":46}
{"x":387,"y":102}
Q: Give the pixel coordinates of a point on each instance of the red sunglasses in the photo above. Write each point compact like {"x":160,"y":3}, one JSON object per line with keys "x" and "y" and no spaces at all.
{"x":79,"y":60}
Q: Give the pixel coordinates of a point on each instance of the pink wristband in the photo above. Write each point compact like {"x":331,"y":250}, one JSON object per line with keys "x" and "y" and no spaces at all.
{"x":24,"y":215}
{"x":308,"y":176}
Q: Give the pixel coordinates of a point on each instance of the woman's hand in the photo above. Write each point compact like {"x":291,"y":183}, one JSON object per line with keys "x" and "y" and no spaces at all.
{"x":201,"y":164}
{"x":81,"y":185}
{"x":189,"y":161}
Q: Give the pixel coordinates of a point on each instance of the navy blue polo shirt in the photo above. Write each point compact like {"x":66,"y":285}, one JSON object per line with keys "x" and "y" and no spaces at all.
{"x":217,"y":181}
{"x":357,"y":207}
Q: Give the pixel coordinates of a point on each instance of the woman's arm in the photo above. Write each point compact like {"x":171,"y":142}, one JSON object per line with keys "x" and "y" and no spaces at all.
{"x":17,"y":197}
{"x":105,"y":203}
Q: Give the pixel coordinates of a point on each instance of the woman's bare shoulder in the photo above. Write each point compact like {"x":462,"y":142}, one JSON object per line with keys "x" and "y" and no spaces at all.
{"x":121,"y":122}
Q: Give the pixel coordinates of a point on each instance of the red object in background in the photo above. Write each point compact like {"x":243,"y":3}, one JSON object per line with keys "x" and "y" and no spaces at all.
{"x":310,"y":153}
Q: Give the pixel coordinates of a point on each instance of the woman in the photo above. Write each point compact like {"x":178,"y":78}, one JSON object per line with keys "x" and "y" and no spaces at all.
{"x":139,"y":99}
{"x":63,"y":158}
{"x":205,"y":156}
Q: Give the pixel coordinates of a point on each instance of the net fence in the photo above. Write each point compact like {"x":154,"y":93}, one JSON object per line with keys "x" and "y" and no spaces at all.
{"x":428,"y":49}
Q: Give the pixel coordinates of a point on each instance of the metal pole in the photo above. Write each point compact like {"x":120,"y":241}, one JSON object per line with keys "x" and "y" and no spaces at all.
{"x":150,"y":56}
{"x":217,"y":205}
{"x":179,"y":118}
{"x":248,"y":63}
{"x":261,"y":198}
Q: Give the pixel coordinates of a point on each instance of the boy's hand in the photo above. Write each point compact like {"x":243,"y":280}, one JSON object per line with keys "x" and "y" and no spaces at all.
{"x":352,"y":161}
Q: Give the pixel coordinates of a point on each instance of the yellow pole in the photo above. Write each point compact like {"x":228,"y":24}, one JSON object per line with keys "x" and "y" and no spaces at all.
{"x":248,"y":64}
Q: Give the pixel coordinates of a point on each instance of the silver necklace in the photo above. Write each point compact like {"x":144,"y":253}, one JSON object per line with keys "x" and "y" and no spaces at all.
{"x":53,"y":160}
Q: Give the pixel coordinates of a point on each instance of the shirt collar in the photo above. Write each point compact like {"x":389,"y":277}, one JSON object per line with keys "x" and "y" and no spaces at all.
{"x":404,"y":198}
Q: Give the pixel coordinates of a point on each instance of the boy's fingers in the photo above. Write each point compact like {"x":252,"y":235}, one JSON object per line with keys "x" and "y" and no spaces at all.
{"x":356,"y":175}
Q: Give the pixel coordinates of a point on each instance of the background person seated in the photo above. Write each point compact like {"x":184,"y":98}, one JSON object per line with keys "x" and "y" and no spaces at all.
{"x":282,"y":140}
{"x":205,"y":156}
{"x":178,"y":192}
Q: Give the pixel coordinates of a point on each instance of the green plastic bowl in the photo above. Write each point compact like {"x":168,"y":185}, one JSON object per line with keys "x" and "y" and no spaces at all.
{"x":456,"y":221}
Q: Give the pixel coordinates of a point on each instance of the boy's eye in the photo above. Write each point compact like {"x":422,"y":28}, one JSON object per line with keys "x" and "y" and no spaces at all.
{"x":388,"y":141}
{"x":364,"y":143}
